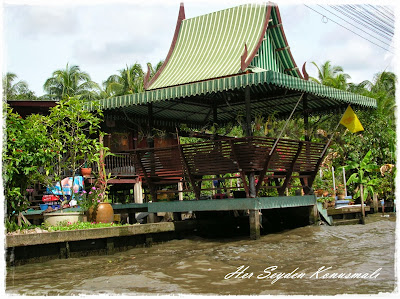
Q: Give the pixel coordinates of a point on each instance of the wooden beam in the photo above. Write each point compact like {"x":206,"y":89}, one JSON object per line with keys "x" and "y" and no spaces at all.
{"x":275,"y":26}
{"x":242,"y":174}
{"x":305,"y":116}
{"x":291,"y":69}
{"x":247,"y":100}
{"x":289,"y":173}
{"x":149,"y":182}
{"x":196,"y":189}
{"x":282,"y":49}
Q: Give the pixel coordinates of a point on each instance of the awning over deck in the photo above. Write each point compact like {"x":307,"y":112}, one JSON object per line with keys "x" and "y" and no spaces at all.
{"x":270,"y":92}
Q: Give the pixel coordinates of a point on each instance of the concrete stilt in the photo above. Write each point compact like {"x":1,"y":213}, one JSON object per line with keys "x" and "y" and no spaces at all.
{"x":375,"y":202}
{"x":314,"y":215}
{"x":254,"y":219}
{"x":110,"y":245}
{"x":138,"y":192}
{"x":64,"y":250}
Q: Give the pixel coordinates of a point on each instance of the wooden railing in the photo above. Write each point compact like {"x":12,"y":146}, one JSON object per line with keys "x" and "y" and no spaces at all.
{"x":120,"y":164}
{"x":278,"y":163}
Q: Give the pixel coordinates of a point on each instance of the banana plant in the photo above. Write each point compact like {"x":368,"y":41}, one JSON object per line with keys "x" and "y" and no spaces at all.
{"x":361,"y":175}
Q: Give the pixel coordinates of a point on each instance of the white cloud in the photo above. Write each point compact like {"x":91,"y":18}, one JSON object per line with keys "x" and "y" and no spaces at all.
{"x":105,"y":37}
{"x":37,"y":21}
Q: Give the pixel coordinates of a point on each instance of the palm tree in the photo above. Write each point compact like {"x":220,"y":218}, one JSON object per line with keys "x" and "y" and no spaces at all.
{"x":16,"y":91}
{"x":332,"y":76}
{"x":70,"y":82}
{"x":129,"y":80}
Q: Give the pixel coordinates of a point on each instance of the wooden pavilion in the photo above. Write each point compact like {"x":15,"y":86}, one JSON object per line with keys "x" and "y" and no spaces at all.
{"x":231,"y":64}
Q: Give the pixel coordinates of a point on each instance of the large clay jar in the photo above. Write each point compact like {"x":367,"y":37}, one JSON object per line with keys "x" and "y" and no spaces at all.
{"x":104,"y":213}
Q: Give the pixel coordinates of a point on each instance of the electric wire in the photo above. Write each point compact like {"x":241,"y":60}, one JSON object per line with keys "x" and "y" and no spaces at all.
{"x":349,"y":29}
{"x":355,"y":26}
{"x":382,"y":14}
{"x":387,"y":10}
{"x":362,"y":24}
{"x":368,"y":20}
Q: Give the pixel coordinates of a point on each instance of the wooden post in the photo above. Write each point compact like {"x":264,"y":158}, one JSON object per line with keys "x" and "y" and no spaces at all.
{"x":305,"y":116}
{"x":248,"y":132}
{"x":362,"y":204}
{"x":247,"y":100}
{"x":254,"y":218}
{"x":375,"y":202}
{"x":215,"y":113}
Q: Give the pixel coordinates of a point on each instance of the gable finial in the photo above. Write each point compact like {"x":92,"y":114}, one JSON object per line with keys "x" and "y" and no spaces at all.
{"x":147,"y":77}
{"x":243,"y":59}
{"x":305,"y":74}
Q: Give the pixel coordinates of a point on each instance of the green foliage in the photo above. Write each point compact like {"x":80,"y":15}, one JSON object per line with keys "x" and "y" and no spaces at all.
{"x":73,"y":134}
{"x":66,"y":226}
{"x":16,"y":91}
{"x":325,"y":199}
{"x":363,"y":173}
{"x":25,"y":154}
{"x":129,"y":80}
{"x":70,"y":82}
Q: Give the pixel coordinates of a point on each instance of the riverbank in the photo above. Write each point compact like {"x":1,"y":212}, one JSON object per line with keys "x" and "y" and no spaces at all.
{"x":199,"y":265}
{"x":38,"y":245}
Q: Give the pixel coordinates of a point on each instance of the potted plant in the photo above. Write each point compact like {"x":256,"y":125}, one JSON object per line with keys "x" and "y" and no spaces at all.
{"x":86,"y":171}
{"x":327,"y":202}
{"x":96,"y":202}
{"x":340,"y":191}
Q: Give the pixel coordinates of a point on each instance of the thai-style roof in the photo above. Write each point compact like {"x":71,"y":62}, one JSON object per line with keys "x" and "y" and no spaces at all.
{"x":213,"y":59}
{"x":226,"y":43}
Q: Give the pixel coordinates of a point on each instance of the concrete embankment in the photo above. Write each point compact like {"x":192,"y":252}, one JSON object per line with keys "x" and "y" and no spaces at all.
{"x":37,"y":247}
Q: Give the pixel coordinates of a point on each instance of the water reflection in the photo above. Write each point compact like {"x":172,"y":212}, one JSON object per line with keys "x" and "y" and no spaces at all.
{"x":198,"y":266}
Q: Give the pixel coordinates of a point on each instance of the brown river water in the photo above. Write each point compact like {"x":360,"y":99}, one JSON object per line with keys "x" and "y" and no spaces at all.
{"x":234,"y":266}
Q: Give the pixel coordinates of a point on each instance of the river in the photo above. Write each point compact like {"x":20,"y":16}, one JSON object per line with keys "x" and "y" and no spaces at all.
{"x":234,"y":266}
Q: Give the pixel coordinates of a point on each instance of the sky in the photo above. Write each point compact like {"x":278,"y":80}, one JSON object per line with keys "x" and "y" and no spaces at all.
{"x":104,"y":36}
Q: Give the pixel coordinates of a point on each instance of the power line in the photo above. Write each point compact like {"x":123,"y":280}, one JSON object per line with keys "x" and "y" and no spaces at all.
{"x":383,"y":34}
{"x":349,"y":29}
{"x":354,"y":25}
{"x":387,"y":10}
{"x":380,"y":12}
{"x":368,"y":20}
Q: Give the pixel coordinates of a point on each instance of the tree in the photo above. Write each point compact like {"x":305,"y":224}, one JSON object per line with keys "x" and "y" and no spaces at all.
{"x":332,"y":76}
{"x":74,"y":139}
{"x":129,"y":80}
{"x":16,"y":91}
{"x":363,"y":174}
{"x":25,"y":155}
{"x":71,"y":82}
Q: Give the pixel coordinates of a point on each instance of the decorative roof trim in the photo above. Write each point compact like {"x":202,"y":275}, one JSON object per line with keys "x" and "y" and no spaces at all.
{"x":245,"y":61}
{"x":278,"y":14}
{"x":181,"y":17}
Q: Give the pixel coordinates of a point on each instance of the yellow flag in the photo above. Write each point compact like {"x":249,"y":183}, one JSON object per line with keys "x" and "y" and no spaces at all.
{"x":351,"y":121}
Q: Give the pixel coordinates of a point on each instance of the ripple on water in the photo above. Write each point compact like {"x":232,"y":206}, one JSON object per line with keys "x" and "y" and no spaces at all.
{"x":199,"y":265}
